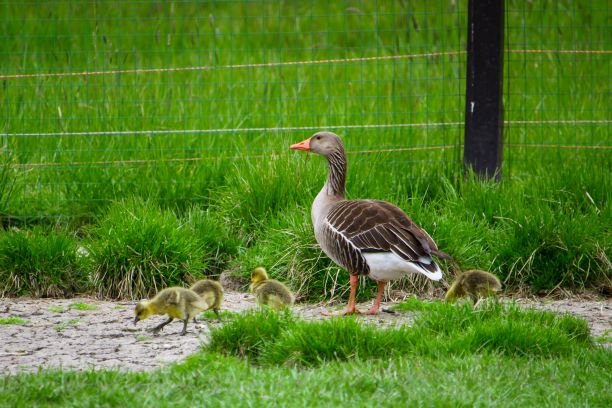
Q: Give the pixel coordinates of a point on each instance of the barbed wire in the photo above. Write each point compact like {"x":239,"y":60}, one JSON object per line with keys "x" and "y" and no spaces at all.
{"x":281,"y":63}
{"x":535,"y":51}
{"x":232,"y":130}
{"x":299,"y":128}
{"x":211,"y":158}
{"x":276,"y":155}
{"x":291,"y":128}
{"x":233,"y":66}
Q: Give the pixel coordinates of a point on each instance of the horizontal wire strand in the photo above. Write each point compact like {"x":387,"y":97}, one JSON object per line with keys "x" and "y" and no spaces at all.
{"x":294,"y":128}
{"x":233,"y":130}
{"x":210,"y":158}
{"x":299,"y":128}
{"x":275,"y":155}
{"x":234,"y":66}
{"x":281,"y":64}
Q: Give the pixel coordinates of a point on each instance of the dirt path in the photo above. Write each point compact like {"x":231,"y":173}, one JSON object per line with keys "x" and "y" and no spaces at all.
{"x":59,"y":333}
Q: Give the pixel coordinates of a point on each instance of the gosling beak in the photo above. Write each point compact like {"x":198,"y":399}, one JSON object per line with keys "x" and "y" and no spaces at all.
{"x":303,"y":145}
{"x":136,"y":319}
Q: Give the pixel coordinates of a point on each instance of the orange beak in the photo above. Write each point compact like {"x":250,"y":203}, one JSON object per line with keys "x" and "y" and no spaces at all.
{"x":303,"y":145}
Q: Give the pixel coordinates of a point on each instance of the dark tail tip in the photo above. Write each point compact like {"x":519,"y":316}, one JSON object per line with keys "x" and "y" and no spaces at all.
{"x":442,"y":255}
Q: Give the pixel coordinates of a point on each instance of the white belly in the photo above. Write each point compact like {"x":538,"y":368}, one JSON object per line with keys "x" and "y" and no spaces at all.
{"x":386,"y":266}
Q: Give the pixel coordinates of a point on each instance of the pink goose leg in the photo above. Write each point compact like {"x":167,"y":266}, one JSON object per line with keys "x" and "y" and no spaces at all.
{"x":374,"y":310}
{"x":350,"y":307}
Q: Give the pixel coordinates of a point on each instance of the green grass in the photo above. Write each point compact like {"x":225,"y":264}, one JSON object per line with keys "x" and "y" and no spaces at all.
{"x":138,"y":249}
{"x":220,"y":242}
{"x":72,"y":306}
{"x":56,"y":309}
{"x":218,"y":98}
{"x":64,"y":325}
{"x":477,"y":380}
{"x":441,"y":330}
{"x":537,"y":233}
{"x":249,"y":333}
{"x":12,"y":320}
{"x":604,"y":338}
{"x":42,"y":262}
{"x":82,"y":306}
{"x":243,"y":194}
{"x":551,"y":362}
{"x":209,"y":315}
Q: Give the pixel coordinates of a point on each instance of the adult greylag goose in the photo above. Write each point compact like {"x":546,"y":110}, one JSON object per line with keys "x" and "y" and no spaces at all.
{"x":366,"y":237}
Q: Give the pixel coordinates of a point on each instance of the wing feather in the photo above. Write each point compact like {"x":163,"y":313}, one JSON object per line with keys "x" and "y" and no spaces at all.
{"x":378,"y":226}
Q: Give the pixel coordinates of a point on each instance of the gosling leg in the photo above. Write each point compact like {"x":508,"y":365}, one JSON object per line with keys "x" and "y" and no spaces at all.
{"x":184,"y":327}
{"x":157,"y":328}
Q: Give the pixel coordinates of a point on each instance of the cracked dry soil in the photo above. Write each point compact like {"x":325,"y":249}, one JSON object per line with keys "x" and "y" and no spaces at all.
{"x":57,"y":333}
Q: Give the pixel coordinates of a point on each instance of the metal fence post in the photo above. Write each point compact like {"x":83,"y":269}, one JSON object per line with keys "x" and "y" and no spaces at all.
{"x":484,"y":117}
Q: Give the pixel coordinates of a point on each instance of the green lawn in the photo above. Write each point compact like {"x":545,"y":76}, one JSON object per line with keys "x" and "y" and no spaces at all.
{"x":215,"y":380}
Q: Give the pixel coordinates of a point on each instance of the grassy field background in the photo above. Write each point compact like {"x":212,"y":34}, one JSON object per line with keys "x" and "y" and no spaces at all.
{"x":107,"y":162}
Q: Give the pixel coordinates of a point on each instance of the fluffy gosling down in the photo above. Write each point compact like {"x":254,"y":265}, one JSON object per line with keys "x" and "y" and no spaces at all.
{"x":475,"y":284}
{"x":212,"y":293}
{"x":177,"y":303}
{"x":269,"y":291}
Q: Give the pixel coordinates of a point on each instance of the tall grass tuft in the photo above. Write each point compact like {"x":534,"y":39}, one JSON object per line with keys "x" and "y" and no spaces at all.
{"x":342,"y":339}
{"x":257,"y":191}
{"x":439,"y":331}
{"x":498,"y":328}
{"x":541,"y":232}
{"x":138,"y":249}
{"x":41,"y":262}
{"x":249,"y":334}
{"x":530,"y":232}
{"x":220,"y":243}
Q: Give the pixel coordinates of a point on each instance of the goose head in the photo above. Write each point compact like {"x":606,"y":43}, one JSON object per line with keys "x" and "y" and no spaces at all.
{"x":323,"y":143}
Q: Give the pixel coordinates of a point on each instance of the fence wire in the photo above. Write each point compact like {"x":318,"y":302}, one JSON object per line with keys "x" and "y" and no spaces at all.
{"x":557,"y":83}
{"x":106,"y":99}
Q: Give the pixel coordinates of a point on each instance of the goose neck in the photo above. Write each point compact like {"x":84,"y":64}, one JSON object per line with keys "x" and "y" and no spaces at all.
{"x":335,"y":185}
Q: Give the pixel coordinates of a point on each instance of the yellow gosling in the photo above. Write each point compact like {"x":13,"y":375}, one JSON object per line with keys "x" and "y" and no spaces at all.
{"x":475,"y":284}
{"x":177,"y":303}
{"x":212,"y":293}
{"x":270,"y":292}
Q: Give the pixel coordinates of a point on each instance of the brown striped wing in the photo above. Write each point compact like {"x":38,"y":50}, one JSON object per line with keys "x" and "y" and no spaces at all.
{"x":378,"y":226}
